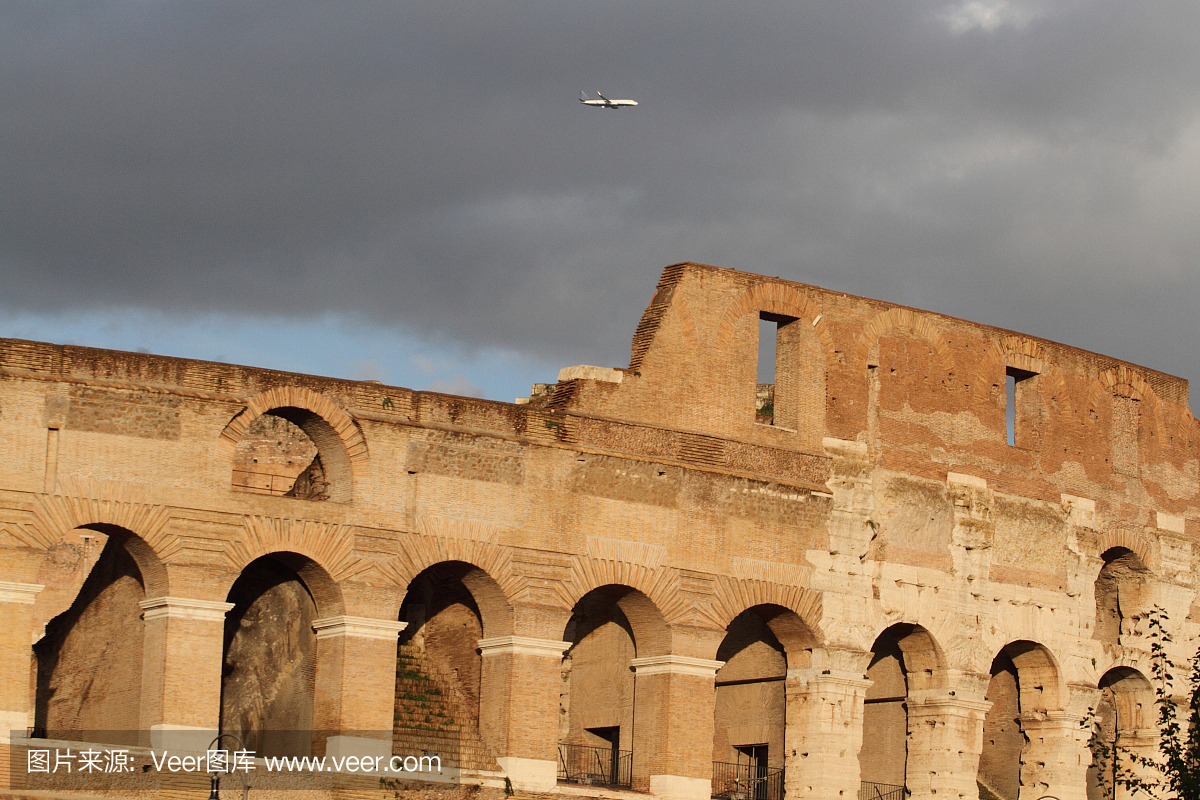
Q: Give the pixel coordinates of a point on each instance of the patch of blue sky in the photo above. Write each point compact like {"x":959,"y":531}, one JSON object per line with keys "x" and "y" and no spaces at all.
{"x":330,"y":346}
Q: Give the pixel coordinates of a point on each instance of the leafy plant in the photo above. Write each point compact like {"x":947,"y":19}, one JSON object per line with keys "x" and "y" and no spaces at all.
{"x":1177,"y":765}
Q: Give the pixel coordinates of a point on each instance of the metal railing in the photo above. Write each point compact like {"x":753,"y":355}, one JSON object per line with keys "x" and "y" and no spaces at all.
{"x":746,"y":782}
{"x":595,"y":766}
{"x":880,"y":791}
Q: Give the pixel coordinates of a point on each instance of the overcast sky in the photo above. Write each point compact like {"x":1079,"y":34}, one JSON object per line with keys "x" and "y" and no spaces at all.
{"x":410,"y":190}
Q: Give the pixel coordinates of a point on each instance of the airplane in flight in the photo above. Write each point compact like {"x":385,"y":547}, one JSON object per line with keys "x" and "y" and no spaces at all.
{"x":604,"y":102}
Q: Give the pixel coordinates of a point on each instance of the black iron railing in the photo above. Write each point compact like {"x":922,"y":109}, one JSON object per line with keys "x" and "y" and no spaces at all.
{"x":595,"y":766}
{"x":746,"y":782}
{"x":880,"y":791}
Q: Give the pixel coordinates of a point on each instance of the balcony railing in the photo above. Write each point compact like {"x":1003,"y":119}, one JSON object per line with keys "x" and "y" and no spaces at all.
{"x":880,"y":791}
{"x":595,"y":766}
{"x":746,"y":782}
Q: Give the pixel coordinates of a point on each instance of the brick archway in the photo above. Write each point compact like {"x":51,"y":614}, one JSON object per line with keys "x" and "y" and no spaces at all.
{"x":906,"y":319}
{"x":776,"y":298}
{"x":339,"y":442}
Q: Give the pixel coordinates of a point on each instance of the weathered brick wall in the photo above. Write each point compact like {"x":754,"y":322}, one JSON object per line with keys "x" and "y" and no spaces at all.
{"x":892,"y":498}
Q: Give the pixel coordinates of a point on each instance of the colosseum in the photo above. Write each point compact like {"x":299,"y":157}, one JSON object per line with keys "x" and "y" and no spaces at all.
{"x":918,"y":561}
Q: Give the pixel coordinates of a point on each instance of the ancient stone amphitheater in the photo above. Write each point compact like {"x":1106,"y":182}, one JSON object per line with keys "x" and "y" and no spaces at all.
{"x":919,"y":560}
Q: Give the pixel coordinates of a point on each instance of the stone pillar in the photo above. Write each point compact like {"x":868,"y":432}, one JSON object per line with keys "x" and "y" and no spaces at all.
{"x":824,"y":733}
{"x":945,"y":739}
{"x":520,"y":682}
{"x":674,"y":703}
{"x":16,"y":638}
{"x":355,"y":703}
{"x":1134,"y":744}
{"x":181,"y":671}
{"x":1056,"y":757}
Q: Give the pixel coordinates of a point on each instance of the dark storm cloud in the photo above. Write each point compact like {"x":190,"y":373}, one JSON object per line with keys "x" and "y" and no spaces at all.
{"x":426,"y":165}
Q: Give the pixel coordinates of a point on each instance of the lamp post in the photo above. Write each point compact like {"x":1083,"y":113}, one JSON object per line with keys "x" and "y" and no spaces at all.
{"x":215,"y":777}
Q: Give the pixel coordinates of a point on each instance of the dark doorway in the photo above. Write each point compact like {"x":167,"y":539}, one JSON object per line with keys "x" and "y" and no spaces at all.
{"x":613,"y":737}
{"x":753,"y":760}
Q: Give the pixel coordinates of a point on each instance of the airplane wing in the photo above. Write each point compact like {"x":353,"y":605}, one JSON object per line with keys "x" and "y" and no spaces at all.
{"x":604,"y":102}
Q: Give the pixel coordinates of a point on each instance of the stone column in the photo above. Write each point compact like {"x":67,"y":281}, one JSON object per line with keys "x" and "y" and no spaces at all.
{"x":181,"y":671}
{"x":520,"y":682}
{"x":355,"y":703}
{"x":945,"y":739}
{"x":1133,"y":744}
{"x":824,"y":732}
{"x":674,"y":703}
{"x":1056,"y":757}
{"x":16,"y":638}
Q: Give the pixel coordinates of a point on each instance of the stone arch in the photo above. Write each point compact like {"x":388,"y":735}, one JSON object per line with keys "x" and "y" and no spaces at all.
{"x":1121,"y":592}
{"x":439,"y":540}
{"x":636,"y":567}
{"x":317,"y":578}
{"x":905,"y":661}
{"x":1132,"y":540}
{"x":1025,"y":686}
{"x":776,"y":298}
{"x":111,"y":508}
{"x":325,"y":548}
{"x":1025,"y":354}
{"x":1123,"y":381}
{"x":1124,"y":726}
{"x":492,"y":602}
{"x":271,"y":686}
{"x":649,"y":627}
{"x":1042,"y":688}
{"x":920,"y":325}
{"x":454,"y":612}
{"x":732,"y":596}
{"x":611,"y":628}
{"x":339,"y":441}
{"x":1133,"y":689}
{"x":750,"y":710}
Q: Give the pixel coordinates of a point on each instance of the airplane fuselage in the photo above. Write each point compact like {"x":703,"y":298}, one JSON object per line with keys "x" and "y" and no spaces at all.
{"x":604,"y":102}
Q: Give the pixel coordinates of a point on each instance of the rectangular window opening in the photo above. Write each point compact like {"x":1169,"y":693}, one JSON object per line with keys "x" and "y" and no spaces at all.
{"x":1016,"y":422}
{"x":1010,"y":408}
{"x":768,"y":346}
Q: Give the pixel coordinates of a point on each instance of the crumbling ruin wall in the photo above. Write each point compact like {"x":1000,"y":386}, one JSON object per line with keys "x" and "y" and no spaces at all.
{"x":894,"y":499}
{"x":269,"y":670}
{"x":89,"y":662}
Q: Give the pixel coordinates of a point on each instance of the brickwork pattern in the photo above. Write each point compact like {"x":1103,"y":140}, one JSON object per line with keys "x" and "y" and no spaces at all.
{"x":884,"y":494}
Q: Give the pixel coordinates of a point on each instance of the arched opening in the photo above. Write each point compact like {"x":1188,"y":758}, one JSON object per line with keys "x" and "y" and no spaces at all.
{"x":749,"y":731}
{"x":904,"y":659}
{"x":88,"y":661}
{"x":439,"y":668}
{"x":292,"y":452}
{"x":1122,"y":733}
{"x":597,"y":699}
{"x":1120,"y":594}
{"x":609,"y":627}
{"x":268,"y":675}
{"x":1024,"y":684}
